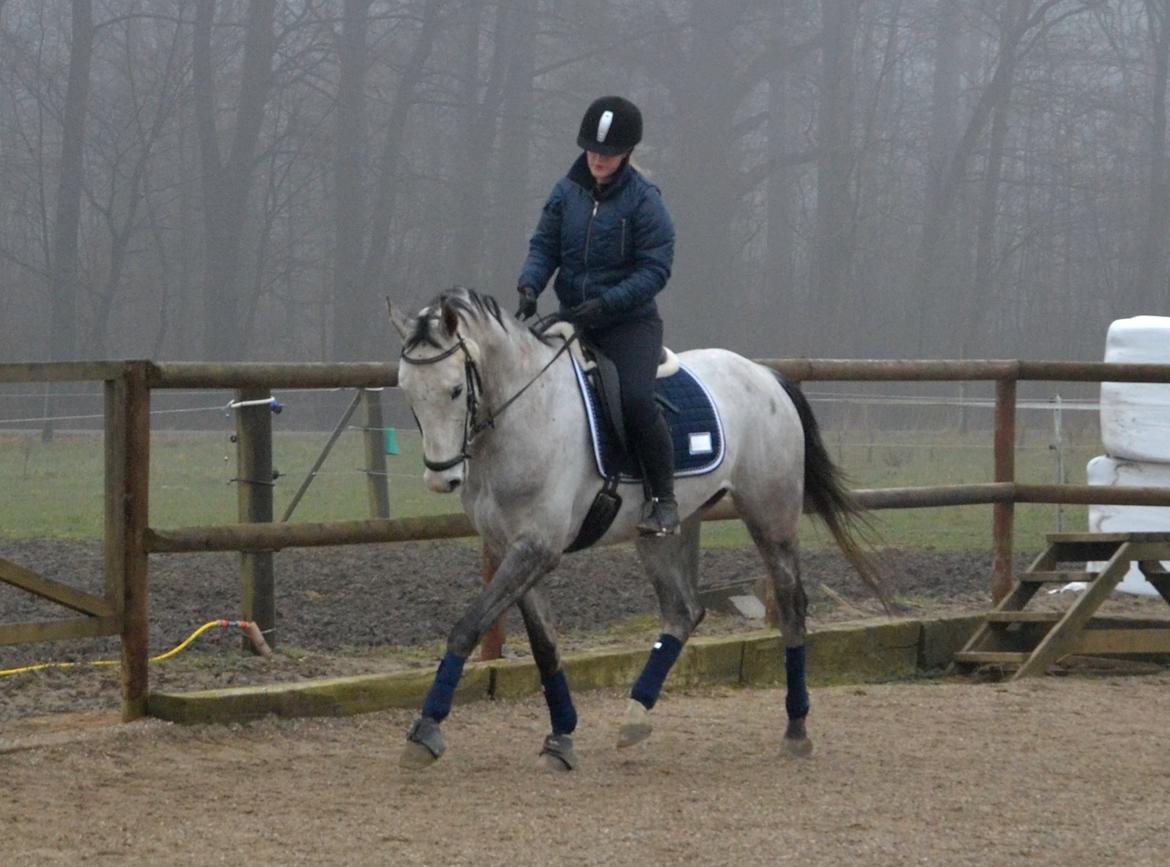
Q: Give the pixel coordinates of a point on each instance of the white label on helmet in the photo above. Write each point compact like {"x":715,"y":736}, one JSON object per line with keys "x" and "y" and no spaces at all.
{"x":603,"y":125}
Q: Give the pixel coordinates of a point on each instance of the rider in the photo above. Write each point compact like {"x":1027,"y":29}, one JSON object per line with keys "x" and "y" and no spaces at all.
{"x":606,"y":232}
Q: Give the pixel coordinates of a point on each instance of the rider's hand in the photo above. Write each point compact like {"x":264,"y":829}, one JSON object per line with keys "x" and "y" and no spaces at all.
{"x":527,"y":308}
{"x":587,"y":314}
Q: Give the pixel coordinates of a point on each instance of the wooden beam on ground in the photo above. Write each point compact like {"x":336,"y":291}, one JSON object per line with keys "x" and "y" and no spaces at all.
{"x":54,"y":591}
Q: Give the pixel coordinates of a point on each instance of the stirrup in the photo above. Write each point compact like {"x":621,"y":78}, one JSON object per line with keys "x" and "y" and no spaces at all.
{"x":660,"y":518}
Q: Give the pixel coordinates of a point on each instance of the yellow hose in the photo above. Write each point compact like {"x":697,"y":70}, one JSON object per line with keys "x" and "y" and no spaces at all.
{"x":249,"y":628}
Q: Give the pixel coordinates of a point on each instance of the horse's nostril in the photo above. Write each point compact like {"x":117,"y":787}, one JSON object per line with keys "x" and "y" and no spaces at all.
{"x":453,"y":484}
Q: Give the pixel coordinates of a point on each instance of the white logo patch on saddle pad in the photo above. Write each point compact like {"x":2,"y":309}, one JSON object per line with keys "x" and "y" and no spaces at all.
{"x":696,"y":429}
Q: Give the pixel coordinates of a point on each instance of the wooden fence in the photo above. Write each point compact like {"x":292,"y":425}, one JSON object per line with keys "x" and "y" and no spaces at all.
{"x":129,"y":538}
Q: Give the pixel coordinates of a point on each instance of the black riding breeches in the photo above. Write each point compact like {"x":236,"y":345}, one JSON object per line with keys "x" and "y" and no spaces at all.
{"x":635,"y":347}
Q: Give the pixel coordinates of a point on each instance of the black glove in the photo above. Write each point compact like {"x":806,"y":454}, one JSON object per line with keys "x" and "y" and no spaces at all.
{"x":527,"y":308}
{"x":587,"y":314}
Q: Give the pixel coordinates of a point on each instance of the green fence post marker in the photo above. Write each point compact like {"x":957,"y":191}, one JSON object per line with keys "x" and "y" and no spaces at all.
{"x":390,"y":439}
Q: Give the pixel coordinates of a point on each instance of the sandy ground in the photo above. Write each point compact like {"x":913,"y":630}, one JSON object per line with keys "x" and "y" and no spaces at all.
{"x":1067,"y":771}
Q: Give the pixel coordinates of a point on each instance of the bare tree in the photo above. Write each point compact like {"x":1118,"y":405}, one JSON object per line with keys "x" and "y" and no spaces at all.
{"x":835,"y":156}
{"x":227,"y":179}
{"x":349,"y":202}
{"x":65,"y":269}
{"x":1151,"y":290}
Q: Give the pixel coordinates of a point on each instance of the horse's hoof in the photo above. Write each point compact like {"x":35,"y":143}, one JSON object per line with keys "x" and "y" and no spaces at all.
{"x":424,"y":744}
{"x":415,"y":756}
{"x":557,"y":755}
{"x":636,"y":726}
{"x":798,"y":747}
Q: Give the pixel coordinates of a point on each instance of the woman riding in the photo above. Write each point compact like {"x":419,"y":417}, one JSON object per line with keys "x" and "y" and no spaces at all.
{"x":606,"y":233}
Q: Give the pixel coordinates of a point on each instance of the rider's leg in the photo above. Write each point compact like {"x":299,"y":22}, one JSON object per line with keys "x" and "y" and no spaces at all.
{"x":635,"y":347}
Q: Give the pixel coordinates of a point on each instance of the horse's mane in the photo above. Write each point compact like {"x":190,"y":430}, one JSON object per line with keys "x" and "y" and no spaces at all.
{"x":468,"y":304}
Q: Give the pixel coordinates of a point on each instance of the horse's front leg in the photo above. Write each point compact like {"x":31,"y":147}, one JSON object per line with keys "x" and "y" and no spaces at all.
{"x":524,"y":563}
{"x":557,"y":752}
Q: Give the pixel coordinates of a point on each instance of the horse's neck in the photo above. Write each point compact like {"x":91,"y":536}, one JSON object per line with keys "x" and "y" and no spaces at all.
{"x":547,"y":380}
{"x":511,"y":364}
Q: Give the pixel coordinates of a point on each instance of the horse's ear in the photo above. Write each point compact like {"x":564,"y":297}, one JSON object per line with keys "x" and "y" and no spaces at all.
{"x":398,"y":319}
{"x":450,"y":319}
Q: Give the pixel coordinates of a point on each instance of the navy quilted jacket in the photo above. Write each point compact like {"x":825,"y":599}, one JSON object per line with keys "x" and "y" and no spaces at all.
{"x":616,"y":243}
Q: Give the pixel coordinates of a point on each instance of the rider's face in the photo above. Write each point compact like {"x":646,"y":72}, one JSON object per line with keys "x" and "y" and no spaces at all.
{"x":604,"y":167}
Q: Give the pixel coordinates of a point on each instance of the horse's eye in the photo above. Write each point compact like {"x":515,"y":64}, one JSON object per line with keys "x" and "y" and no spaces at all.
{"x":456,"y":391}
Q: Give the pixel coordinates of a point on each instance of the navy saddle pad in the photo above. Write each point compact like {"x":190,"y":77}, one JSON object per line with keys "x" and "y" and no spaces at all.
{"x":695,"y":428}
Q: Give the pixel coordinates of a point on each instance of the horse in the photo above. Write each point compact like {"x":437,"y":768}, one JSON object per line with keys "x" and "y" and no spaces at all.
{"x":503,"y":423}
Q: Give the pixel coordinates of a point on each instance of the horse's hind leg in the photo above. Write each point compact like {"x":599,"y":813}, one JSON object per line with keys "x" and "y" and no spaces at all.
{"x":783,"y":565}
{"x":557,"y":752}
{"x":672,"y":562}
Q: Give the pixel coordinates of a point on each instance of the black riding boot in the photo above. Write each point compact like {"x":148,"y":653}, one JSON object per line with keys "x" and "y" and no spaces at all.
{"x":656,"y":452}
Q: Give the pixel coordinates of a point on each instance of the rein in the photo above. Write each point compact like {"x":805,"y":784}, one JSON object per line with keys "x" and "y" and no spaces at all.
{"x":473,"y":424}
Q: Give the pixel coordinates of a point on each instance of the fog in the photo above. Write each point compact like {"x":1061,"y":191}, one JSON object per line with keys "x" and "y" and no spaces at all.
{"x":848,"y":178}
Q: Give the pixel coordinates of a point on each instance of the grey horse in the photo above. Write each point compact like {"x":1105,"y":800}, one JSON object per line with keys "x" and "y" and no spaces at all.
{"x":503,"y":423}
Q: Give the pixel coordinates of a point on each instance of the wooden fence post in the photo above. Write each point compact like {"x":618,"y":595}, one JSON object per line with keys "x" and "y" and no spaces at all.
{"x":375,"y":440}
{"x":127,"y":460}
{"x":254,"y":494}
{"x":1003,"y":514}
{"x":491,"y":646}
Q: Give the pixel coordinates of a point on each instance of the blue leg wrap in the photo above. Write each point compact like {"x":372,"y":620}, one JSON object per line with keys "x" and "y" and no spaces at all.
{"x":796,"y":701}
{"x":662,"y":657}
{"x":438,"y":703}
{"x":560,"y":703}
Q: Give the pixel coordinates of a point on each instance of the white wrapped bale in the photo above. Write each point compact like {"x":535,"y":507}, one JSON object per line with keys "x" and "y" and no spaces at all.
{"x":1110,"y":472}
{"x":1135,"y":416}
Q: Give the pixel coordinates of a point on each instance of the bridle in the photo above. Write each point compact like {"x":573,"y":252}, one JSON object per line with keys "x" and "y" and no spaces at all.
{"x":473,"y":423}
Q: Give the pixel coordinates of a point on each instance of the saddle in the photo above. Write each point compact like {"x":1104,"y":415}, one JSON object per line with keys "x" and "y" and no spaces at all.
{"x":601,"y":373}
{"x":691,"y":415}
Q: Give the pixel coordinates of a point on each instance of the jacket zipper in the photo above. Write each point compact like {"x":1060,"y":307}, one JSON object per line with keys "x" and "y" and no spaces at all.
{"x":588,"y":239}
{"x":623,"y":248}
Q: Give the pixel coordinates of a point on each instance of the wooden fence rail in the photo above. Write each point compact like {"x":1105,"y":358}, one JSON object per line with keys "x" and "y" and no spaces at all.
{"x":129,"y":539}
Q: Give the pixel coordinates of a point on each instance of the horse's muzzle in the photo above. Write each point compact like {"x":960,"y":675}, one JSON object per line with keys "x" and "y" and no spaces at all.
{"x":446,"y":481}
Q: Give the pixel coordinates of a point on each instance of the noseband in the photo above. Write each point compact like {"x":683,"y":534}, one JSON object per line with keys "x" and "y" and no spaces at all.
{"x":473,"y":425}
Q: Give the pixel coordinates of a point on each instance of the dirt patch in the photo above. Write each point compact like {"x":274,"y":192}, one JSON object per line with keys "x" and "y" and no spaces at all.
{"x":1052,"y":771}
{"x":357,"y":609}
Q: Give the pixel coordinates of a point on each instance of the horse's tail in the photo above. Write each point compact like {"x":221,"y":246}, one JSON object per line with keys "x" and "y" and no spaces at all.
{"x":825,"y":491}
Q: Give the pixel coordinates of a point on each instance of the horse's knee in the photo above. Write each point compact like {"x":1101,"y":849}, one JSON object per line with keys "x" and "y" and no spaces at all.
{"x":461,"y":642}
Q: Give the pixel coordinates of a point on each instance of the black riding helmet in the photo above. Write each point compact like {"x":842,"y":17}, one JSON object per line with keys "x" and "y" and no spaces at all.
{"x":612,"y":125}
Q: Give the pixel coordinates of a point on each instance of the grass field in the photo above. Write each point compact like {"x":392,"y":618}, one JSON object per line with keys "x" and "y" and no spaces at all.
{"x":54,"y":490}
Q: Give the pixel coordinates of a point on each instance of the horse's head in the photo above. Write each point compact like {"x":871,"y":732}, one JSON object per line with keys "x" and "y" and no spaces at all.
{"x":439,"y":374}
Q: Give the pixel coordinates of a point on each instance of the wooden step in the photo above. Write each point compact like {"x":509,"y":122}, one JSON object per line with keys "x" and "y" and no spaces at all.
{"x":1058,"y":577}
{"x":1024,"y":616}
{"x":991,"y":657}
